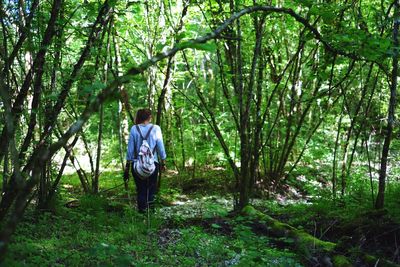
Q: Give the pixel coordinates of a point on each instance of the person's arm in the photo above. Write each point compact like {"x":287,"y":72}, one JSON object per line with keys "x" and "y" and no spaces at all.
{"x":161,"y":149}
{"x":126,"y":171}
{"x":162,"y":165}
{"x":129,"y":155}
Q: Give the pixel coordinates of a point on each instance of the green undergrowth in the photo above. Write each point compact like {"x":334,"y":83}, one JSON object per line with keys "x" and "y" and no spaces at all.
{"x":89,"y":235}
{"x":106,"y":230}
{"x":320,"y":208}
{"x":350,"y":221}
{"x":192,"y":226}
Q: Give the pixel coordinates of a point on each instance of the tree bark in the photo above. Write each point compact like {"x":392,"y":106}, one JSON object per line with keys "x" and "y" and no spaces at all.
{"x":13,"y":114}
{"x":53,"y":188}
{"x":37,"y":84}
{"x":95,"y":182}
{"x":316,"y":252}
{"x":380,"y":198}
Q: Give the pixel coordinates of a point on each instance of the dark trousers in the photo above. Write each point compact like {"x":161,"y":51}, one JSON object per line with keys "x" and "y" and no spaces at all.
{"x":145,"y":189}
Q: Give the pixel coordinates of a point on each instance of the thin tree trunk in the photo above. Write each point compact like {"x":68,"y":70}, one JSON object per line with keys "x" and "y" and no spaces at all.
{"x":182,"y":141}
{"x":370,"y":171}
{"x":101,"y":21}
{"x":5,"y":171}
{"x":161,"y":98}
{"x":335,"y":152}
{"x":391,"y":112}
{"x":54,"y":186}
{"x":81,"y":173}
{"x":36,"y":67}
{"x":12,"y":118}
{"x":211,"y":120}
{"x":23,"y":34}
{"x":354,"y":120}
{"x":194,"y":151}
{"x":122,"y":121}
{"x":255,"y":153}
{"x":95,"y":184}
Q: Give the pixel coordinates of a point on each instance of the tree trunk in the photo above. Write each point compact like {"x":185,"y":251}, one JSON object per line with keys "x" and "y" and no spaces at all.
{"x":391,"y":111}
{"x":316,"y":252}
{"x":123,"y":125}
{"x":95,"y":183}
{"x":5,"y":171}
{"x":182,"y":141}
{"x":53,"y":187}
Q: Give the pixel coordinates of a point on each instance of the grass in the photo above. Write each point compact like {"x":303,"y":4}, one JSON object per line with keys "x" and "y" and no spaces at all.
{"x":191,"y":228}
{"x":106,"y":230}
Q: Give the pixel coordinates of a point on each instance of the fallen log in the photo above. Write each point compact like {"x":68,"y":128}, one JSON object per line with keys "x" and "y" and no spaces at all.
{"x":316,"y":252}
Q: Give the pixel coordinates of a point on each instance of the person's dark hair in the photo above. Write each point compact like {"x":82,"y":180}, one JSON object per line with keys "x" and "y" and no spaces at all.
{"x":142,"y":115}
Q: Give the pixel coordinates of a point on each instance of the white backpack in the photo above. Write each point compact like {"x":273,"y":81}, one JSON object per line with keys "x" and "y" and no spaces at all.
{"x":144,"y":165}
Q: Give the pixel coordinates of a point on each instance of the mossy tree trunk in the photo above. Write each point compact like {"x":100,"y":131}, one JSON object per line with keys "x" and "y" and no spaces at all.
{"x":316,"y":252}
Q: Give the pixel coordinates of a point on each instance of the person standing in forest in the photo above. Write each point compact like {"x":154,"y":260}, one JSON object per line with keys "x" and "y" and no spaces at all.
{"x":145,"y":178}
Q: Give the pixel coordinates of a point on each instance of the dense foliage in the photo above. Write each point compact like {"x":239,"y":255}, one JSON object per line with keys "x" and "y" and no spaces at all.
{"x":287,"y":99}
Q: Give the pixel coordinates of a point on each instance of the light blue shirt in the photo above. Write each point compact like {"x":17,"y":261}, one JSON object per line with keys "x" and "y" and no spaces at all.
{"x":155,"y":141}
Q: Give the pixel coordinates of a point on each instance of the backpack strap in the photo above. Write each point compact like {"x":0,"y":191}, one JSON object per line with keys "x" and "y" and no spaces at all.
{"x":147,"y":136}
{"x":148,"y":133}
{"x":139,"y":131}
{"x":144,"y":138}
{"x":141,"y":134}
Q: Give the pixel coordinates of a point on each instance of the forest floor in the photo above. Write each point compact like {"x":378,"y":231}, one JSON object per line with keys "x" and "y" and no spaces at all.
{"x":193,"y":226}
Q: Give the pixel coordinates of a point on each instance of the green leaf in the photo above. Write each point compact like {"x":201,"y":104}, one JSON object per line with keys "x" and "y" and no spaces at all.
{"x":216,"y":226}
{"x":95,"y":86}
{"x":181,"y":36}
{"x":160,"y":47}
{"x":210,"y":47}
{"x":307,"y":3}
